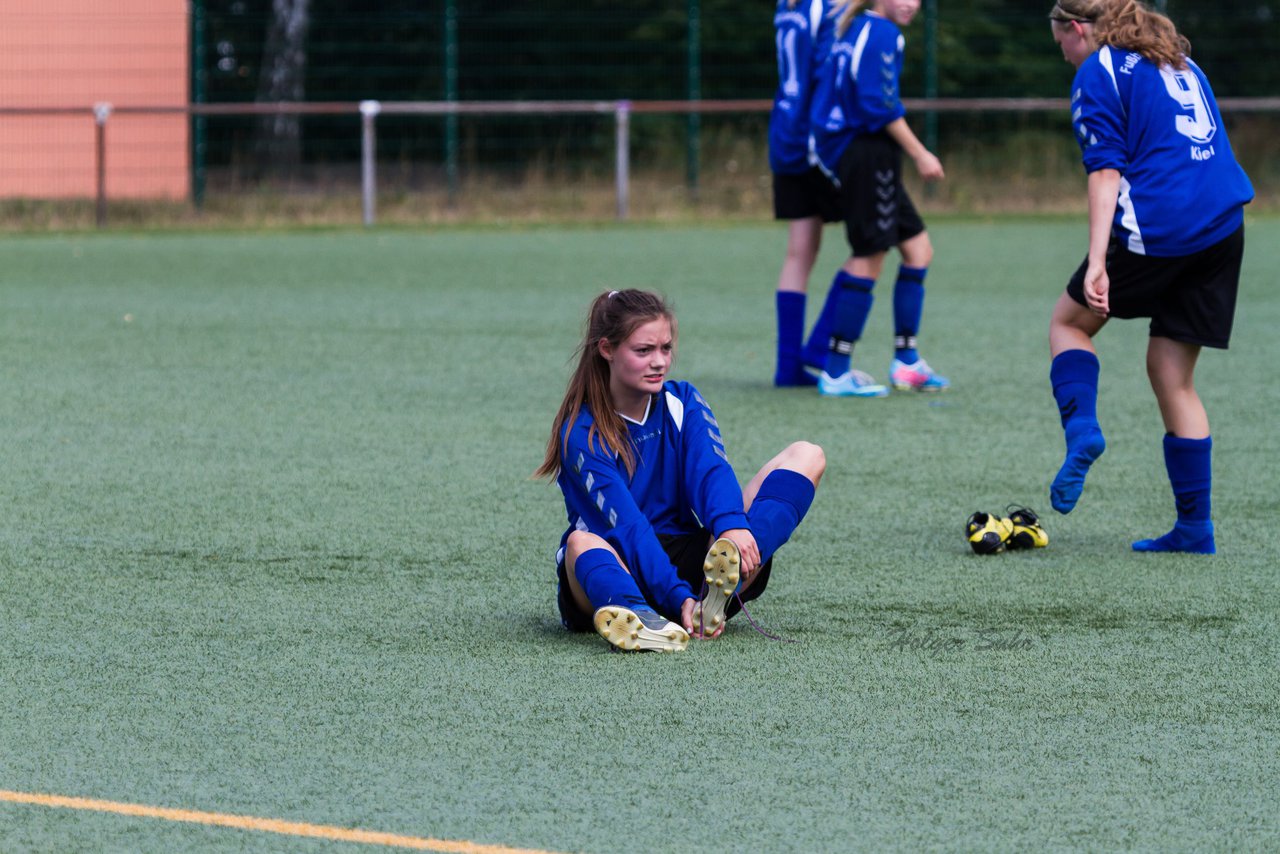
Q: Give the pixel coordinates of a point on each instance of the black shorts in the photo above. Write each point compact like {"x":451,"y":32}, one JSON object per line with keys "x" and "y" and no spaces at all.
{"x":687,"y":553}
{"x":806,"y":194}
{"x":878,"y":213}
{"x":1190,"y":298}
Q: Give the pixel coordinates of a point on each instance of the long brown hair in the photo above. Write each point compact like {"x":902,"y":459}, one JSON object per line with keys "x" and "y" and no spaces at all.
{"x":1127,"y":25}
{"x":613,"y":316}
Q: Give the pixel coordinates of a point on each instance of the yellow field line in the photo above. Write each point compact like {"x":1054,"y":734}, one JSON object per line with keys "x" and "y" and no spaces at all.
{"x":268,"y":825}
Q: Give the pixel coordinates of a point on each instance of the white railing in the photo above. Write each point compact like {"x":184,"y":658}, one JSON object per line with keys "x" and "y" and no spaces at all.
{"x":621,"y":110}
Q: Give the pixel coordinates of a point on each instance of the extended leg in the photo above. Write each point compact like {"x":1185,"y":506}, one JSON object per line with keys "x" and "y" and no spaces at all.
{"x":599,"y":583}
{"x":1074,"y":374}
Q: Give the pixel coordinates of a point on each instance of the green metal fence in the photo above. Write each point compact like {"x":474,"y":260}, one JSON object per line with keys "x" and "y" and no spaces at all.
{"x":470,"y":50}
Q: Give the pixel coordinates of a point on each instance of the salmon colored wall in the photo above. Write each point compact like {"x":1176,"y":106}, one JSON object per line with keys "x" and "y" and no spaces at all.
{"x":75,"y":53}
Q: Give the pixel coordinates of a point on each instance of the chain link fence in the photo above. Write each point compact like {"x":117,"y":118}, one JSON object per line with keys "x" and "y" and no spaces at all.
{"x":238,"y":159}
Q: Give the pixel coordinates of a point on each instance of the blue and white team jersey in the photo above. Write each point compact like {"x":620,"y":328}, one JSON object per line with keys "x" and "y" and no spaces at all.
{"x":1181,"y":189}
{"x":683,"y":482}
{"x":803,"y":37}
{"x":858,"y":89}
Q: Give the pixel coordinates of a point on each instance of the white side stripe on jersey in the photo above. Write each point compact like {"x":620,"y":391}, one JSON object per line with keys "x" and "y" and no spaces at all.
{"x":1130,"y":218}
{"x":676,"y":407}
{"x":815,"y":18}
{"x":859,"y":46}
{"x":1104,"y":57}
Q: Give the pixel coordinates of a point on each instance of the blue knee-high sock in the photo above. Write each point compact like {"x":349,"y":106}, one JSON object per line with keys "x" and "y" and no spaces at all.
{"x":790,"y":311}
{"x":781,"y":503}
{"x":908,"y":308}
{"x":1074,"y":374}
{"x":815,"y":349}
{"x":605,"y":581}
{"x":853,"y":304}
{"x":1189,"y":463}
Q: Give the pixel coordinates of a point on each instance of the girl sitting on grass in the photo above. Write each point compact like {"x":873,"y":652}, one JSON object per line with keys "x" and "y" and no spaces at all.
{"x":648,"y":488}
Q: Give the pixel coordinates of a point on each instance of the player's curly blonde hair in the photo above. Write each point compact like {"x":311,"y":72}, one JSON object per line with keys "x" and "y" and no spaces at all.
{"x":1127,"y":25}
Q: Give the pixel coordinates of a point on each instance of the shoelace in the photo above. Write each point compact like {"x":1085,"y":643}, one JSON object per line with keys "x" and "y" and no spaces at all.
{"x":1030,"y":516}
{"x":757,"y":626}
{"x":742,"y":606}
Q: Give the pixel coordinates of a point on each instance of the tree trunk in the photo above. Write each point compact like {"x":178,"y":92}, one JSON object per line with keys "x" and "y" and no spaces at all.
{"x":278,"y":147}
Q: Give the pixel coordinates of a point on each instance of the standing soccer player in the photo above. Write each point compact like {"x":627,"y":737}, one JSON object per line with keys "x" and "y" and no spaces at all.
{"x":648,"y":487}
{"x":1166,"y":237}
{"x":860,"y":133}
{"x":802,"y":195}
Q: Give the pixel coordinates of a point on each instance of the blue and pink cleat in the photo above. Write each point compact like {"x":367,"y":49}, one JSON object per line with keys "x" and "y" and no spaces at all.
{"x":917,"y":376}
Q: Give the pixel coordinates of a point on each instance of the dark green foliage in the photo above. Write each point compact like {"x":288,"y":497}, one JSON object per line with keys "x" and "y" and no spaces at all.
{"x":606,"y":50}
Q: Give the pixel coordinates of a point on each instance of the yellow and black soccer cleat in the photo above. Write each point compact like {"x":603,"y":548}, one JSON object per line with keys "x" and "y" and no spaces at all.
{"x":987,"y":534}
{"x":1027,"y":533}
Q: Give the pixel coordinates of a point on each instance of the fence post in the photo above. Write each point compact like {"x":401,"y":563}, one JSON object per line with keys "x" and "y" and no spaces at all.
{"x":199,"y":85}
{"x":693,"y":130}
{"x":101,"y":112}
{"x":368,"y":158}
{"x":451,"y":95}
{"x":931,"y":72}
{"x":622,"y":156}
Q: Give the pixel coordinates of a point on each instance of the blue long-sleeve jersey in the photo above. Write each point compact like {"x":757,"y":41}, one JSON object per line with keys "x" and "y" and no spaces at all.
{"x":857,"y":92}
{"x":683,"y":482}
{"x":1181,"y":189}
{"x":803,"y":36}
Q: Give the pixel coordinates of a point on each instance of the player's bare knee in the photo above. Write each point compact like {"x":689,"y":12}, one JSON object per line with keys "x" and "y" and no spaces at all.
{"x":918,"y":251}
{"x":581,"y":541}
{"x":806,"y":458}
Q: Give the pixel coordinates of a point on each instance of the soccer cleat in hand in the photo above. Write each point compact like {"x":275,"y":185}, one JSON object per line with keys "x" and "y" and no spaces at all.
{"x":720,"y":568}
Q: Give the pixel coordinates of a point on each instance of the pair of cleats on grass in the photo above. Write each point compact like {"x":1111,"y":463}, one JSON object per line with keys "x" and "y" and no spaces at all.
{"x":917,"y":376}
{"x":1084,"y":445}
{"x":990,"y":534}
{"x":643,"y":629}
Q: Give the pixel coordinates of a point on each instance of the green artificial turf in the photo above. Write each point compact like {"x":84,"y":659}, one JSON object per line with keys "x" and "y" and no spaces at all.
{"x":269,"y":546}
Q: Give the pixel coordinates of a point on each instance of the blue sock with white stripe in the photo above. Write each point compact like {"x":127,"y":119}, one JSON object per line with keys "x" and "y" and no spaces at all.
{"x":853,"y":304}
{"x":908,"y":309}
{"x":778,"y":508}
{"x":1189,"y":463}
{"x":605,"y":581}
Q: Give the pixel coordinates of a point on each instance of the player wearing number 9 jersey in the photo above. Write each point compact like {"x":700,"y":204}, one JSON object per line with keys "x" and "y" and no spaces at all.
{"x":1166,"y":238}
